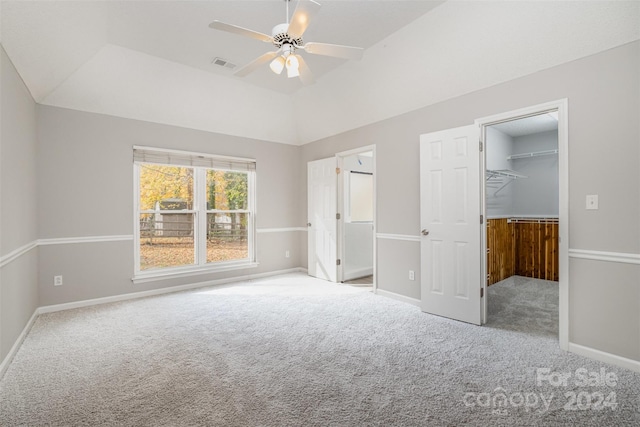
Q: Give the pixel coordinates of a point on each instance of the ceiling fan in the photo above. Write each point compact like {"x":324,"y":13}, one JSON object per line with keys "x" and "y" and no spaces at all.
{"x":287,"y":38}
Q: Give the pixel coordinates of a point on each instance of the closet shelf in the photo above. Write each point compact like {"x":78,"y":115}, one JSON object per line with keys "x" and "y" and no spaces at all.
{"x":533,"y":154}
{"x":503,"y":173}
{"x":502,"y":176}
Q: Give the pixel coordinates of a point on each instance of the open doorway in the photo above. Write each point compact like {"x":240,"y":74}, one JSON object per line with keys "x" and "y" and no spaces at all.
{"x":342,"y":216}
{"x":522,"y":211}
{"x":453,"y":248}
{"x":356,"y":194}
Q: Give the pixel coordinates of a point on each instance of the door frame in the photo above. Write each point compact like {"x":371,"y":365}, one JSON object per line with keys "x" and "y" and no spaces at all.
{"x":562,"y":107}
{"x":340,"y":225}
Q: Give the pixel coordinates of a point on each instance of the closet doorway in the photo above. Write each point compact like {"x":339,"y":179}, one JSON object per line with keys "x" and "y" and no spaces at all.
{"x":522,"y":187}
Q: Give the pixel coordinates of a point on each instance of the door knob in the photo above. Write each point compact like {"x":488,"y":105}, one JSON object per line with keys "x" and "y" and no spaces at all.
{"x":308,"y":224}
{"x":425,"y":232}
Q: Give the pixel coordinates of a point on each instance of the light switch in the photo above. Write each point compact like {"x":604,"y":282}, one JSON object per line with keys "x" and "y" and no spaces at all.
{"x":592,"y":201}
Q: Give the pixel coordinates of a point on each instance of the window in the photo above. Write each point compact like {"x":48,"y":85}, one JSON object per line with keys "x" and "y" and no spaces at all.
{"x":360,"y":200}
{"x":194,"y":212}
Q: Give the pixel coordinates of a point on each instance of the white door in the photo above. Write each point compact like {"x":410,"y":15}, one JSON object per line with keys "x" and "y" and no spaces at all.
{"x":321,"y":222}
{"x":450,"y":222}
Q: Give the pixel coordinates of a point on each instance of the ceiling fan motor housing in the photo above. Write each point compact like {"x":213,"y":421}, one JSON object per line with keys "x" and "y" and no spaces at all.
{"x":281,"y":37}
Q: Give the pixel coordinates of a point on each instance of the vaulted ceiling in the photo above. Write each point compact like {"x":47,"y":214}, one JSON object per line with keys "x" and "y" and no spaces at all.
{"x":152,"y":60}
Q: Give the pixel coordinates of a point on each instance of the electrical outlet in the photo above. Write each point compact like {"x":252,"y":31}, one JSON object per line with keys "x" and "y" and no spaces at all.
{"x":412,"y":275}
{"x":286,"y":254}
{"x":57,"y":280}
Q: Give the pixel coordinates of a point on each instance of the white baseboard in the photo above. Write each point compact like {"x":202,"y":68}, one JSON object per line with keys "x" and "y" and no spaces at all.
{"x":398,"y":297}
{"x":16,"y":345}
{"x":143,"y":294}
{"x":602,"y":356}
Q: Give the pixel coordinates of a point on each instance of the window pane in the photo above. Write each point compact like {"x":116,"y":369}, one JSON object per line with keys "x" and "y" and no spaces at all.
{"x":165,"y":187}
{"x":361,"y":197}
{"x":166,"y":240}
{"x":227,"y":190}
{"x":227,"y":236}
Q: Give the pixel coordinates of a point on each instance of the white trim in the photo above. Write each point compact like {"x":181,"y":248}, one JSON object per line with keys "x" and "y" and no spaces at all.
{"x":16,"y":345}
{"x":626,"y":258}
{"x":398,"y":297}
{"x":17,"y":253}
{"x":605,"y":357}
{"x":168,"y":290}
{"x":191,"y":271}
{"x":280,"y":230}
{"x":87,"y":239}
{"x":406,"y":237}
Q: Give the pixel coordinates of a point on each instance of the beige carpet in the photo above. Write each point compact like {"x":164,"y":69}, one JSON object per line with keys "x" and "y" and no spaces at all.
{"x":293,"y":351}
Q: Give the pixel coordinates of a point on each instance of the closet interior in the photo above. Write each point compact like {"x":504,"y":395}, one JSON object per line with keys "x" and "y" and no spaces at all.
{"x":521,"y":196}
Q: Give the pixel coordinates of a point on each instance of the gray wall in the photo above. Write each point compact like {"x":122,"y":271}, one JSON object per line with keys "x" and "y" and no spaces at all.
{"x":18,"y":206}
{"x":85,"y":188}
{"x":538,"y":193}
{"x":604,"y":158}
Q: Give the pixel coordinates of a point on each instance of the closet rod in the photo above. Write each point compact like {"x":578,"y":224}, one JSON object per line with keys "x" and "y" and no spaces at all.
{"x":534,"y":220}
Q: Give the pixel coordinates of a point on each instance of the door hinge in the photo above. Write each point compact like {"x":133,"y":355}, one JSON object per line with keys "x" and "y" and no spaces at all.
{"x":481,"y":219}
{"x":337,"y":216}
{"x":338,"y":262}
{"x":481,"y":292}
{"x":480,"y":146}
{"x":338,"y":171}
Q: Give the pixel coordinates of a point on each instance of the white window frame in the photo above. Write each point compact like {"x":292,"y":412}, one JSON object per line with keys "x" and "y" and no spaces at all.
{"x":200,"y":211}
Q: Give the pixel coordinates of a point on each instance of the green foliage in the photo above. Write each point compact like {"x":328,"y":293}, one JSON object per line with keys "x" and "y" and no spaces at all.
{"x":236,"y":189}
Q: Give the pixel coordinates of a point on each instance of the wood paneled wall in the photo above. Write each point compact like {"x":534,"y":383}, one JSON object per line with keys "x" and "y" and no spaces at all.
{"x":500,"y":250}
{"x":536,"y":251}
{"x":525,"y":248}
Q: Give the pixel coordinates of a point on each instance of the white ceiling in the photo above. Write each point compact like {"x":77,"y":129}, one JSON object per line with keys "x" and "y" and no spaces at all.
{"x":151,"y":60}
{"x":58,"y":36}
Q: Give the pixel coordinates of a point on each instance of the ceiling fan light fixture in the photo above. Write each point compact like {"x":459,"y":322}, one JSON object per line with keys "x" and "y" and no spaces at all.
{"x":292,"y":66}
{"x":287,"y":38}
{"x":277,"y":65}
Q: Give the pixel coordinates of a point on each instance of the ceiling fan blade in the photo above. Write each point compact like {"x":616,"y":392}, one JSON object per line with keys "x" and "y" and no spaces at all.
{"x":306,"y":76}
{"x":301,"y":17}
{"x":335,"y":50}
{"x":217,"y":25}
{"x":253,"y":65}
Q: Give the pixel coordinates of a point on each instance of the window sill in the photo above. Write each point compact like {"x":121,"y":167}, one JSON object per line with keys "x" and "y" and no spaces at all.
{"x":173,"y":273}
